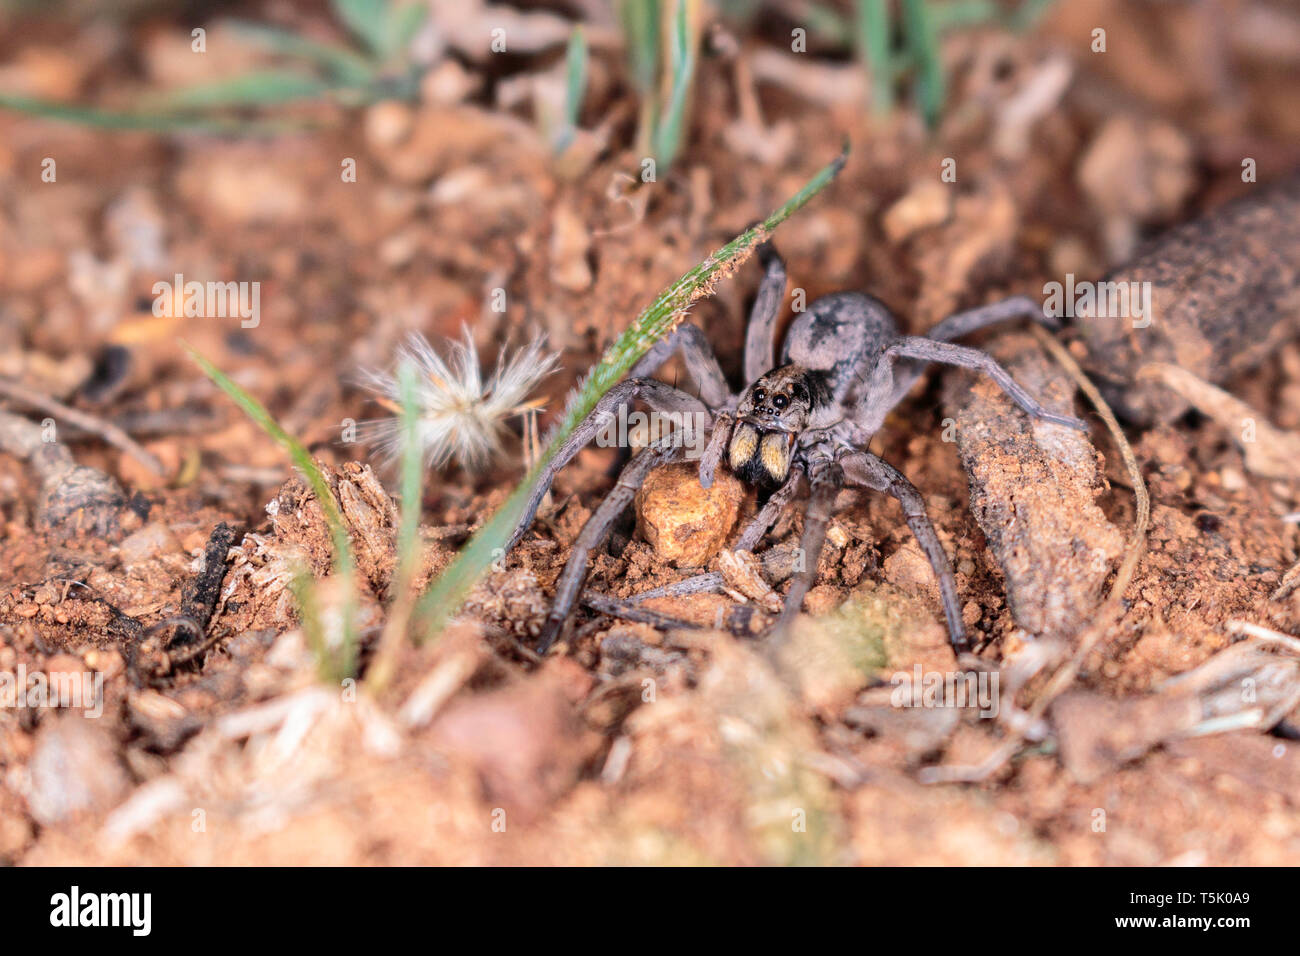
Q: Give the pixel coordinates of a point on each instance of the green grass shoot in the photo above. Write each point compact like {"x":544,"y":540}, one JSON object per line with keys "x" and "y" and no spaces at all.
{"x":342,"y":662}
{"x":874,"y":40}
{"x":312,"y":70}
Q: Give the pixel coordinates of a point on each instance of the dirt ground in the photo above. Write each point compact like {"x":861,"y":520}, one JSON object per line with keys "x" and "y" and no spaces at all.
{"x":628,"y":744}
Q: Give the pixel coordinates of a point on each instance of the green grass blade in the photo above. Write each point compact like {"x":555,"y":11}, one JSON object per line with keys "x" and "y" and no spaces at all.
{"x":829,"y":25}
{"x":343,"y":64}
{"x":344,"y":563}
{"x":132,"y":121}
{"x":259,"y":88}
{"x":639,"y":20}
{"x":923,"y":42}
{"x":404,"y":22}
{"x":1027,"y":15}
{"x":681,"y":63}
{"x":444,"y":597}
{"x":576,"y":76}
{"x":873,"y":37}
{"x":575,"y":63}
{"x":412,"y":483}
{"x":401,"y":602}
{"x":367,"y":20}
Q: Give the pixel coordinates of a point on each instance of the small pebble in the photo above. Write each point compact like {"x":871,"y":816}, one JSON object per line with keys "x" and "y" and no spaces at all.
{"x":685,"y":523}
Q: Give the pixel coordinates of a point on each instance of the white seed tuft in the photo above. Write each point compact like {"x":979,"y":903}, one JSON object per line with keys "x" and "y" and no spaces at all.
{"x":462,"y":415}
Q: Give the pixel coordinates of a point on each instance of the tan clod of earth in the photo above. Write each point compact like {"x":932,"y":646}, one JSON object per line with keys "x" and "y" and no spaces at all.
{"x":928,"y":203}
{"x":685,"y":523}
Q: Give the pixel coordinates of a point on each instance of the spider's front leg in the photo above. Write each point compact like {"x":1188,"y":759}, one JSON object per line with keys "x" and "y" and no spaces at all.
{"x":701,"y":363}
{"x":660,"y":397}
{"x":569,"y":585}
{"x":768,"y":514}
{"x":865,"y":469}
{"x":716,"y":448}
{"x":760,"y":332}
{"x":826,"y":479}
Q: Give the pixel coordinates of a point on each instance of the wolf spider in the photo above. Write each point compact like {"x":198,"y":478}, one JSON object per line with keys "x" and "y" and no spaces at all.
{"x":811,"y":417}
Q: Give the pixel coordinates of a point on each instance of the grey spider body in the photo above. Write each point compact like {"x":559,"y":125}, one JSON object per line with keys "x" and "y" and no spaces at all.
{"x":839,"y":334}
{"x":807,"y":420}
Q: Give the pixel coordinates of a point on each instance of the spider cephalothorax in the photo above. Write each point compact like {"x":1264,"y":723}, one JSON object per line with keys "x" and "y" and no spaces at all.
{"x":770,"y":417}
{"x":806,"y":420}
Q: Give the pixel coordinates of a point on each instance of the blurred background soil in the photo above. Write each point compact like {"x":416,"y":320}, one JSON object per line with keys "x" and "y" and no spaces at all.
{"x":627,"y":745}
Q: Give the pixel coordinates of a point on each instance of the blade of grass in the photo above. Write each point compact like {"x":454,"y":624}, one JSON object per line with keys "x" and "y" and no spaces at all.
{"x":344,"y":563}
{"x":366,"y":19}
{"x":303,"y":588}
{"x":1027,"y":15}
{"x":575,"y":63}
{"x":408,"y":545}
{"x":124,"y":121}
{"x":873,"y":26}
{"x":957,"y":14}
{"x":923,"y":41}
{"x":403,"y":23}
{"x":640,"y":23}
{"x":444,"y":597}
{"x":682,"y":43}
{"x":257,"y":88}
{"x":345,"y":65}
{"x":828,"y":24}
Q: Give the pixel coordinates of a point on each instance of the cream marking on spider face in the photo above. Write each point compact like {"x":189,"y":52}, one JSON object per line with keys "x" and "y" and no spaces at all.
{"x":774,"y":451}
{"x":744,"y":440}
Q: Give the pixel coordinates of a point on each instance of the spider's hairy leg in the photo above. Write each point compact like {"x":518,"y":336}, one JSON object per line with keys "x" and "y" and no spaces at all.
{"x":928,"y":350}
{"x":865,"y":469}
{"x":660,"y":397}
{"x":826,"y":480}
{"x":972,"y":320}
{"x":569,"y":585}
{"x":701,"y":363}
{"x":778,"y":564}
{"x":760,"y":332}
{"x":768,"y":514}
{"x":716,"y":447}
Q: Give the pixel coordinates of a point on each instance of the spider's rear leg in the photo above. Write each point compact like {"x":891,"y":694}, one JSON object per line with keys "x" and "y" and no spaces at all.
{"x":864,"y":468}
{"x":660,"y":397}
{"x":928,"y":350}
{"x":593,"y":532}
{"x":972,"y":320}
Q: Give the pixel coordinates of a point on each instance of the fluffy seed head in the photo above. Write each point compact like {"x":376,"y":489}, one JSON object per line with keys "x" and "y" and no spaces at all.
{"x":461,"y":415}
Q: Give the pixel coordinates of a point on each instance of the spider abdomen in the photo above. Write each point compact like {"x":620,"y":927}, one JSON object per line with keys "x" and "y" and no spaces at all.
{"x":839,"y":334}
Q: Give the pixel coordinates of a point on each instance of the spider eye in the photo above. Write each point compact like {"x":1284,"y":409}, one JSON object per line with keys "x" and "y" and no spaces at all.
{"x":760,"y":394}
{"x":780,"y":401}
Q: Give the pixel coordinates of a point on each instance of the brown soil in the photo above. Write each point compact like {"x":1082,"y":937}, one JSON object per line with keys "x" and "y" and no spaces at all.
{"x":626,"y":744}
